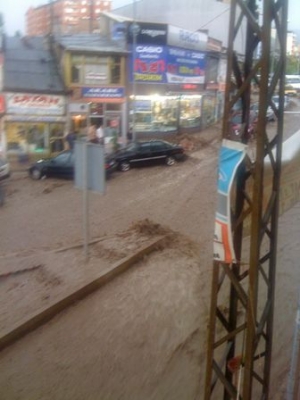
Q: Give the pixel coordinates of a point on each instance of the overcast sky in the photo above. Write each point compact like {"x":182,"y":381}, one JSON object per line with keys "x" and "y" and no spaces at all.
{"x":14,"y":13}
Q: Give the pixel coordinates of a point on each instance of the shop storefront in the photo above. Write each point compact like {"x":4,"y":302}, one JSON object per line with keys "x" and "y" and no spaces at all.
{"x":210,"y":108}
{"x":166,"y":114}
{"x":34,"y":125}
{"x":167,"y":73}
{"x":99,"y":106}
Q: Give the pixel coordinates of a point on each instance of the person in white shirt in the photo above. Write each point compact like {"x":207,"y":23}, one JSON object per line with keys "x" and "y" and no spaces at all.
{"x":100,"y":134}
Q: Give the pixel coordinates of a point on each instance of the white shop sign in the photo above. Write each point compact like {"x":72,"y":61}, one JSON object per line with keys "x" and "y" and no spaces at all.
{"x":185,"y":39}
{"x":37,"y":104}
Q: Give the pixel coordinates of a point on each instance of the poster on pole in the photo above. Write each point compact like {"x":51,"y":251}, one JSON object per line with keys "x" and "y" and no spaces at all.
{"x":230,"y":157}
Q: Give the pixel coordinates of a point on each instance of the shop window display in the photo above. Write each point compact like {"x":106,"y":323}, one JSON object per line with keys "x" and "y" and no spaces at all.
{"x":159,"y":114}
{"x":34,"y":138}
{"x":164,"y":114}
{"x":190,"y":112}
{"x":27,"y":137}
{"x":209,"y":110}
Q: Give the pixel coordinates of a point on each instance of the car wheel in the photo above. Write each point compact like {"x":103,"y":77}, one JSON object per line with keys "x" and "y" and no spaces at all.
{"x":36,"y":174}
{"x":170,"y":161}
{"x":124,"y":166}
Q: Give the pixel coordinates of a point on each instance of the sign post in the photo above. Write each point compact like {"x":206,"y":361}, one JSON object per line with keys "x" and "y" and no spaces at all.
{"x":85,"y":194}
{"x":89,"y":175}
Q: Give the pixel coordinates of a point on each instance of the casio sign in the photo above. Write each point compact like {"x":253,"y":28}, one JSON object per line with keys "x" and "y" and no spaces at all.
{"x":189,"y":37}
{"x":149,"y":49}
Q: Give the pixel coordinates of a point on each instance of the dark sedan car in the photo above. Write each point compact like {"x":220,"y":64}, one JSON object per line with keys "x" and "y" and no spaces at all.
{"x":62,"y":166}
{"x":151,"y":152}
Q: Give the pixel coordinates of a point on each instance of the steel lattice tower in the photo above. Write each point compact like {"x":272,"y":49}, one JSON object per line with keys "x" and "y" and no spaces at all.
{"x":242,"y":299}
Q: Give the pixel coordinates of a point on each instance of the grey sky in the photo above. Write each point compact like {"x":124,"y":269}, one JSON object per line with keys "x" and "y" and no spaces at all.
{"x":14,"y":13}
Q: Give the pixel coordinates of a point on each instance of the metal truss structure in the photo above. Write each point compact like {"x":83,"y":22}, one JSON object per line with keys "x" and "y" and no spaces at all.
{"x":242,"y":299}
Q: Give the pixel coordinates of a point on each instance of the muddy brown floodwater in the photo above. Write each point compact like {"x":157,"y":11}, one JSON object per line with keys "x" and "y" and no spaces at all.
{"x":143,"y":335}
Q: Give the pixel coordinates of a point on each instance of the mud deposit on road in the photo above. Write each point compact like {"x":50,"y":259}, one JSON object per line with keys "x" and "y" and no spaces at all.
{"x":142,"y":335}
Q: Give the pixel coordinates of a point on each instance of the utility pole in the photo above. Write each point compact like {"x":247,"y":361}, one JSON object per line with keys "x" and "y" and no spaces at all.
{"x":134,"y":40}
{"x":240,"y":330}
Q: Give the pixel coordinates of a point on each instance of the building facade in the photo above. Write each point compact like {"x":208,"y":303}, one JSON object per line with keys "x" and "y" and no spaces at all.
{"x":173,"y":76}
{"x":65,"y":16}
{"x":94,"y":71}
{"x":211,"y":15}
{"x":32,"y":100}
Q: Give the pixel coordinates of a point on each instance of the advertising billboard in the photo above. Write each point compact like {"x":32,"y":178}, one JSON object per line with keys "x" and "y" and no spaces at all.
{"x":163,"y":64}
{"x":185,"y":66}
{"x":230,"y":157}
{"x":149,"y":64}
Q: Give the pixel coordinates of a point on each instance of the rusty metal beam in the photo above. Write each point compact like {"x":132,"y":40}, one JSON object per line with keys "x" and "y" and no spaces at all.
{"x":249,"y":340}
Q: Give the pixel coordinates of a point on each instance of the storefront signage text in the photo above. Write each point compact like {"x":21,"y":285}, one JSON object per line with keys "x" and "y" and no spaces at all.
{"x":185,"y":66}
{"x":149,"y":64}
{"x":148,"y":33}
{"x":23,"y":103}
{"x":2,"y":104}
{"x":103,"y":92}
{"x":186,"y":39}
{"x":162,"y":64}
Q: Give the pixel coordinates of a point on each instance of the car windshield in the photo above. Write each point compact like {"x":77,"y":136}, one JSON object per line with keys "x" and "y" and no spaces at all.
{"x":237,"y":119}
{"x":131,"y":147}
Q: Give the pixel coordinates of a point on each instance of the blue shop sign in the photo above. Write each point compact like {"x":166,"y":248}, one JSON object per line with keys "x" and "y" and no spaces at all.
{"x":149,"y":65}
{"x":103,"y":92}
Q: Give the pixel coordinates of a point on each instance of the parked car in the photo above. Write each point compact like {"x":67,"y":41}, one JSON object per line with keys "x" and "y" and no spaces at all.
{"x":4,"y":169}
{"x":290,"y":91}
{"x":148,"y":152}
{"x":270,"y":113}
{"x":275,"y":100}
{"x":62,"y":166}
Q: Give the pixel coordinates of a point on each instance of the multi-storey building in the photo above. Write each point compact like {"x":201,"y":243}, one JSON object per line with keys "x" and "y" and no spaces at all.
{"x":291,"y":44}
{"x":65,"y":16}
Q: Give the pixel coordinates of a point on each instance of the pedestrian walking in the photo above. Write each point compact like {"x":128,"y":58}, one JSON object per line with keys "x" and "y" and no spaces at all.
{"x":70,"y":139}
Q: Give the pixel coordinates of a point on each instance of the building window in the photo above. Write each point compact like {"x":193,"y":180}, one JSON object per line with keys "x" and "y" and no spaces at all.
{"x":76,"y":69}
{"x":115,"y":69}
{"x":93,"y":70}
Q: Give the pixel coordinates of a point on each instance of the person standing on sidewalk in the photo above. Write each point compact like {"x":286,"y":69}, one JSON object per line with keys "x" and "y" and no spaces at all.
{"x":100,"y":134}
{"x":70,"y":139}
